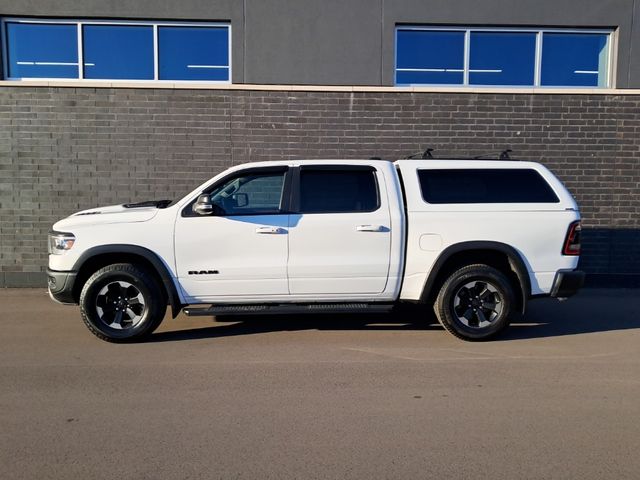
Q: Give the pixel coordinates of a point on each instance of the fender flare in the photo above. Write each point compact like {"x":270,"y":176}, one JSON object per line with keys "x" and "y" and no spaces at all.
{"x":516,"y":263}
{"x":157,"y":263}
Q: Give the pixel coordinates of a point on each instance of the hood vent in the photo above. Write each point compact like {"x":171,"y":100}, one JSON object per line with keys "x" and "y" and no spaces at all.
{"x":152,"y":203}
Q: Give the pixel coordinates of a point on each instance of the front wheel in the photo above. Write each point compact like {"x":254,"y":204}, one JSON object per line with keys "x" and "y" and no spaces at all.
{"x":122,"y":302}
{"x":475,"y":302}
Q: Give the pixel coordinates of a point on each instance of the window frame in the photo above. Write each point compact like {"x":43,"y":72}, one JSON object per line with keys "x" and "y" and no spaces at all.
{"x":457,"y":204}
{"x":610,"y":33}
{"x":4,"y":39}
{"x":285,"y":198}
{"x":296,"y":195}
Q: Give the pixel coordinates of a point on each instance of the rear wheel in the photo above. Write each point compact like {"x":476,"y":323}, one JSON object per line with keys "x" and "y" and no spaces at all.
{"x":475,"y":302}
{"x":122,"y":302}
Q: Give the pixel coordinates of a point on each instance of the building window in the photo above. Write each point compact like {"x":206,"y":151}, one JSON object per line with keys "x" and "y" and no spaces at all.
{"x":577,"y":59}
{"x":116,"y":50}
{"x":41,"y":50}
{"x":502,"y":58}
{"x":430,"y":57}
{"x":193,"y":53}
{"x":506,"y":57}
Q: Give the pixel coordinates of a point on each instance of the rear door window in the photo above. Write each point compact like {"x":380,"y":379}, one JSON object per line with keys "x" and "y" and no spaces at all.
{"x":485,"y":186}
{"x":338,"y":190}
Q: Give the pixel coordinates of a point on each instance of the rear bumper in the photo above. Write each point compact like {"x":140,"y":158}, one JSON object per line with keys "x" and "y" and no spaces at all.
{"x":567,"y":283}
{"x":61,"y":286}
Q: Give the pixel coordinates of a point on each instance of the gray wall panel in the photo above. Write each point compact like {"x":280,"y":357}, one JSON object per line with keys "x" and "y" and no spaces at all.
{"x":182,"y":9}
{"x":348,"y":42}
{"x":330,"y":42}
{"x":634,"y":48}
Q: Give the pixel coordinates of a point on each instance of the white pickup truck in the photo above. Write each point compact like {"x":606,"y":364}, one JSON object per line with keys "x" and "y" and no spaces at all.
{"x":475,"y":239}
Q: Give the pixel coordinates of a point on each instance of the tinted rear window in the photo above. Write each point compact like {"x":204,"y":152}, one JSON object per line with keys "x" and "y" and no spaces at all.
{"x":337,"y":191}
{"x":485,"y":186}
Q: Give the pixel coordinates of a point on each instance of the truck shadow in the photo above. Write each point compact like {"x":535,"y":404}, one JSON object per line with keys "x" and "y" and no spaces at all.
{"x":251,"y":325}
{"x":590,"y":311}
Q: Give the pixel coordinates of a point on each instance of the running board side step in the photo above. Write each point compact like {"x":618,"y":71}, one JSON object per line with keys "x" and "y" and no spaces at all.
{"x":288,"y":308}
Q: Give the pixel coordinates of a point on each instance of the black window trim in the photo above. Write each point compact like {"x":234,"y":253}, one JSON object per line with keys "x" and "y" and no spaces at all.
{"x":295,"y":191}
{"x":553,"y":190}
{"x":285,"y":199}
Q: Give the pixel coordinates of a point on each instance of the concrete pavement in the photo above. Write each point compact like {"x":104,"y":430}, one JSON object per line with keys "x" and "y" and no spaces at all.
{"x":557,"y":396}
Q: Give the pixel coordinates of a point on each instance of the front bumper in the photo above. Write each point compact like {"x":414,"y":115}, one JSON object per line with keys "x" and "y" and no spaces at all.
{"x":61,"y":286}
{"x":567,"y":283}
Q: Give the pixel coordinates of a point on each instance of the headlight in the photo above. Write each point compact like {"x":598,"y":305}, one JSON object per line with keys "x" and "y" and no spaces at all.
{"x":60,"y":242}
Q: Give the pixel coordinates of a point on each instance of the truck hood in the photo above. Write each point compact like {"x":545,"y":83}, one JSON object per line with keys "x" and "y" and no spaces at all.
{"x":127,"y":213}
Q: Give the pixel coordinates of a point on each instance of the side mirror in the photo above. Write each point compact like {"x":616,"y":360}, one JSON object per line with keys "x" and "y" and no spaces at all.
{"x":240,"y":199}
{"x":203,"y":206}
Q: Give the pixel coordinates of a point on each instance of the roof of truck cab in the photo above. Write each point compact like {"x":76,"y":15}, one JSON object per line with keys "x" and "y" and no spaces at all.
{"x":319,"y":161}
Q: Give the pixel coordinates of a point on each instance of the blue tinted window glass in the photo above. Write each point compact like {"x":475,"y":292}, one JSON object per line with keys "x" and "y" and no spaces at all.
{"x":193,"y":53}
{"x":38,"y":50}
{"x":574,"y":59}
{"x":429,"y":57}
{"x":502,"y":58}
{"x":118,"y":52}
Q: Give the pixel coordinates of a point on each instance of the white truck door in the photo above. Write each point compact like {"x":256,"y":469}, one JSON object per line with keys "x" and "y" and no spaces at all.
{"x":339,"y":231}
{"x":240,"y":250}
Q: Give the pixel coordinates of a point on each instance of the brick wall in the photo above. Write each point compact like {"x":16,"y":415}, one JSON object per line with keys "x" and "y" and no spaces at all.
{"x":66,"y":149}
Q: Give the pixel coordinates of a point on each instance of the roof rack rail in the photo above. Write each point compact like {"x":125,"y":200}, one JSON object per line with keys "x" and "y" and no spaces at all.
{"x":503,"y":155}
{"x":426,"y":154}
{"x":423,"y":155}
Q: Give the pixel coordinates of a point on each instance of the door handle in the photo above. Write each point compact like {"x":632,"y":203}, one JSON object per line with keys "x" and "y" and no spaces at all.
{"x":370,"y":228}
{"x":270,"y":230}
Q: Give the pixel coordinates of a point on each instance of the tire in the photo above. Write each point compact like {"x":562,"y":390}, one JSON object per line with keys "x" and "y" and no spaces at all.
{"x":122,"y":303}
{"x":475,"y":302}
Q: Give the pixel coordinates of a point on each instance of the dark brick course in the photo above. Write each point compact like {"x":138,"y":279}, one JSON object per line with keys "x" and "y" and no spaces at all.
{"x":66,"y":149}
